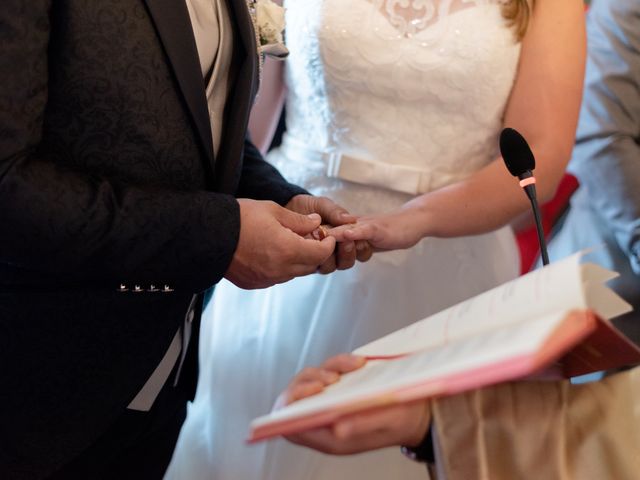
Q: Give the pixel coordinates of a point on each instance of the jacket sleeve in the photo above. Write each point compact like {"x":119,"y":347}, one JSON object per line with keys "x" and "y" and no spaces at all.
{"x":607,"y":155}
{"x":261,"y":181}
{"x":61,"y":227}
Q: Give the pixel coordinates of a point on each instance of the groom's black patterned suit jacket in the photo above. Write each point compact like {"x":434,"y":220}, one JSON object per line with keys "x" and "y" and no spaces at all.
{"x":107,"y":177}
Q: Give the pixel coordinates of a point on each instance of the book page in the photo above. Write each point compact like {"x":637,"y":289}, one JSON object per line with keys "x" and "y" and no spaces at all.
{"x":486,"y":358}
{"x":559,"y":287}
{"x":601,"y":299}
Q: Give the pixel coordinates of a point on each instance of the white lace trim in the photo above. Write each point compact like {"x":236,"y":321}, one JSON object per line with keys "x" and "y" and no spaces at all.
{"x":410,"y":17}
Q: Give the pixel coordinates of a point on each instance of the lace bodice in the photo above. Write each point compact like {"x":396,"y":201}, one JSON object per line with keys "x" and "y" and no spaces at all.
{"x":421,"y":83}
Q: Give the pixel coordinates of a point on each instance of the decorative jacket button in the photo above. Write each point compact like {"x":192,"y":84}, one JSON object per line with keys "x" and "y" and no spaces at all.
{"x":167,"y":289}
{"x":123,"y":288}
{"x":137,"y":289}
{"x":153,"y":288}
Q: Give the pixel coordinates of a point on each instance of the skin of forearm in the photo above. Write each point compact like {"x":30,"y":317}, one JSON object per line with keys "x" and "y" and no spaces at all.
{"x":484,"y":202}
{"x":544,"y":107}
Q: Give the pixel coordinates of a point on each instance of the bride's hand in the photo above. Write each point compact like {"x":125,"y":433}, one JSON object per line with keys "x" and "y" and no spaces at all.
{"x":395,"y":230}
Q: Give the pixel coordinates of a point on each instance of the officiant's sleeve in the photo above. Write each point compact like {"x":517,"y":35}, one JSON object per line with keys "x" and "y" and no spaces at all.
{"x":66,"y":226}
{"x":541,"y":430}
{"x":261,"y":181}
{"x":607,"y":154}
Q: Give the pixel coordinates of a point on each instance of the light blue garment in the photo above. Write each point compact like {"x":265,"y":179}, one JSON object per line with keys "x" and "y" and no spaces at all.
{"x":606,"y":160}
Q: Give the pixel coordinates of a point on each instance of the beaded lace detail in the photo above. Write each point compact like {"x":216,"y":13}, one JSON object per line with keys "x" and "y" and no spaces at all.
{"x":412,"y":16}
{"x":421,"y":83}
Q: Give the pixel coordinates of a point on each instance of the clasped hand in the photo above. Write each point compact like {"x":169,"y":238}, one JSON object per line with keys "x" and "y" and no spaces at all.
{"x":276,"y":243}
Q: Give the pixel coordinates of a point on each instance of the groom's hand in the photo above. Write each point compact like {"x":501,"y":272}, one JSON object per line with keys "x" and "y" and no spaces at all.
{"x":271,"y":248}
{"x":334,"y":215}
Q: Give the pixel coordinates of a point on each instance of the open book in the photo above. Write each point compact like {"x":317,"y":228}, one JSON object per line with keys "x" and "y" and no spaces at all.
{"x":553,"y":319}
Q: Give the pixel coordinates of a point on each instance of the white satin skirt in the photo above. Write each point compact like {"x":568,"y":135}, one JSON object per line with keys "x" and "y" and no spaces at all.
{"x":253,"y":343}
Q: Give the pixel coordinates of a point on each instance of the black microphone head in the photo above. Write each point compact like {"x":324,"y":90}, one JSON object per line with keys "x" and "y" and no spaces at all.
{"x":516,"y":152}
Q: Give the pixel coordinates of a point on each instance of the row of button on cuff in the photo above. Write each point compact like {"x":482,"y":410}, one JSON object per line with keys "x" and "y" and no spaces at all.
{"x":139,"y":289}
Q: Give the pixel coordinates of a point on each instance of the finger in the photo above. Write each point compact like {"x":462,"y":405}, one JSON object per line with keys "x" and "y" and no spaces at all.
{"x":361,"y":231}
{"x":296,"y":271}
{"x":303,"y":390}
{"x":328,"y":266}
{"x":321,"y":439}
{"x":304,"y":255}
{"x":338,"y":232}
{"x":344,"y":363}
{"x":311,"y":253}
{"x":346,"y":255}
{"x":331,"y":212}
{"x":324,"y":375}
{"x":364,"y":251}
{"x":326,"y":441}
{"x":297,"y":223}
{"x":362,"y":245}
{"x":365,"y":424}
{"x":386,"y":426}
{"x":368,"y":431}
{"x":308,"y":382}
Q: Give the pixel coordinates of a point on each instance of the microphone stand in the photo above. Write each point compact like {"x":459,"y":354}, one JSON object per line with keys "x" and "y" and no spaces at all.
{"x":520,"y":162}
{"x":530,"y":190}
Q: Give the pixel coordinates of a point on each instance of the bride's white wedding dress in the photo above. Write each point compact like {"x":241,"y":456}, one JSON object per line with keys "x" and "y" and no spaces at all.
{"x":406,"y":94}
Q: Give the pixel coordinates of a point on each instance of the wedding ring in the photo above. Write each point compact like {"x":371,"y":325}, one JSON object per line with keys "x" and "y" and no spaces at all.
{"x":320,"y":233}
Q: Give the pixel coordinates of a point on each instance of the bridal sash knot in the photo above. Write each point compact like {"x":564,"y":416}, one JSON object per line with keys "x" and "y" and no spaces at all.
{"x":400,"y":178}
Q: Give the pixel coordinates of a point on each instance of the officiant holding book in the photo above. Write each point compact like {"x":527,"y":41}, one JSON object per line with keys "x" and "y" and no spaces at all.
{"x":527,"y":430}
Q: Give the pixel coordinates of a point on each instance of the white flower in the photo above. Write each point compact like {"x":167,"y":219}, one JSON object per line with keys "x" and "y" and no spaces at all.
{"x":270,"y":21}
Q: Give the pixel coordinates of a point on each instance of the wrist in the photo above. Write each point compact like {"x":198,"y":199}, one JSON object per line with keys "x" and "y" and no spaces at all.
{"x":421,"y":212}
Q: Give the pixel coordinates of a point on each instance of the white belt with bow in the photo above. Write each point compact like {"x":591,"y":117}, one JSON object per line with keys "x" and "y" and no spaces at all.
{"x":400,"y":178}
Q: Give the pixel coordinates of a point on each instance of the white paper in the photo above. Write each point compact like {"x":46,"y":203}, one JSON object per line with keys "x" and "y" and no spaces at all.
{"x":560,"y":287}
{"x":386,"y":376}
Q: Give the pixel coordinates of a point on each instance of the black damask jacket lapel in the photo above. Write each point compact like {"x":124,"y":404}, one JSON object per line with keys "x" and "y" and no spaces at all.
{"x":247,"y":33}
{"x":172,"y":22}
{"x":239,"y":102}
{"x":173,"y":25}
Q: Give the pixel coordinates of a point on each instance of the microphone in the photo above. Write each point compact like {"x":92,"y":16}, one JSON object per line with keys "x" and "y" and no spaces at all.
{"x":520,"y":162}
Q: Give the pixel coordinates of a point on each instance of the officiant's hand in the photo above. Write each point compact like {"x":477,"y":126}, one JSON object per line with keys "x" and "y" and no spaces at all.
{"x":347,"y":251}
{"x":272,"y":248}
{"x":404,"y":424}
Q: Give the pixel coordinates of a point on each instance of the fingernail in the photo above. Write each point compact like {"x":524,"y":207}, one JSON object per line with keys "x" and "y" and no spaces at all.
{"x":358,"y":360}
{"x":331,"y":377}
{"x":348,"y":247}
{"x":345,"y":215}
